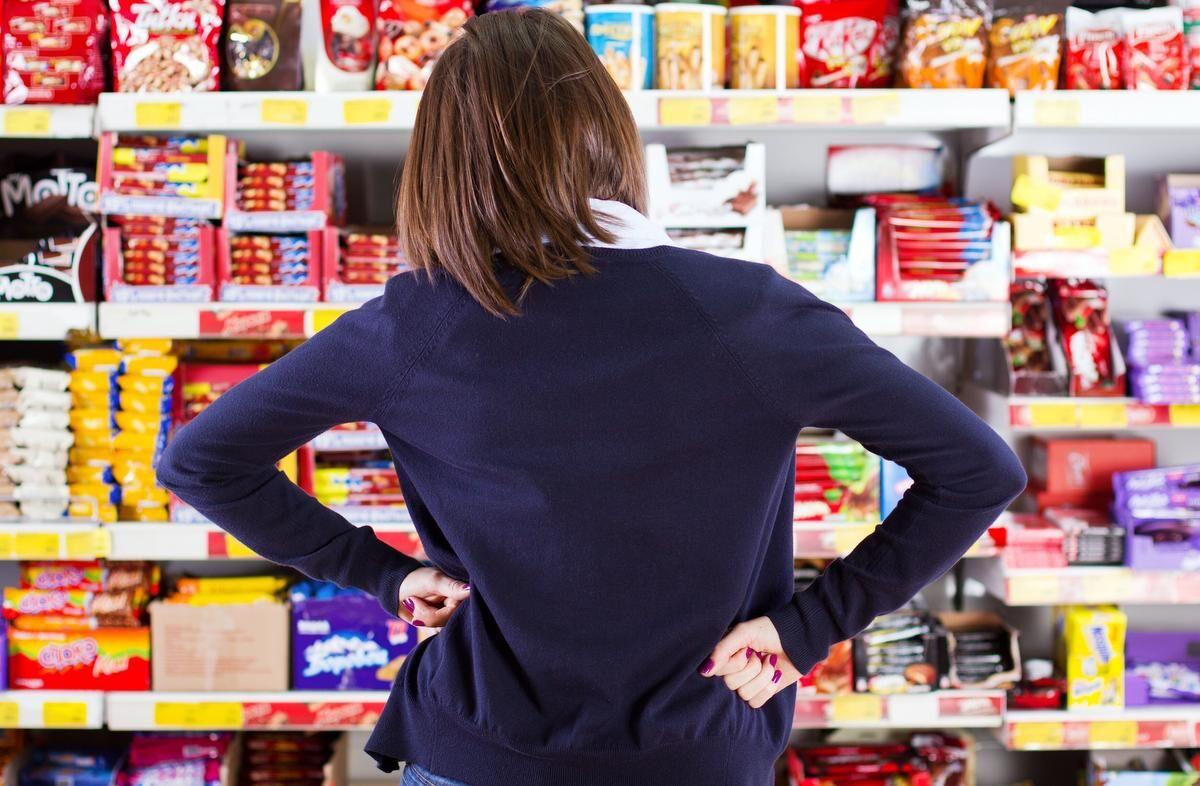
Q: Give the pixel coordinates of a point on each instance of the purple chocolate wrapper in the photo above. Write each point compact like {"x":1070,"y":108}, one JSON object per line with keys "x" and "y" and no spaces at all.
{"x":346,"y":643}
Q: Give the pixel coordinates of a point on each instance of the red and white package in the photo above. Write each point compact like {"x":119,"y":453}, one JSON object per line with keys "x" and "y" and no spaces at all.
{"x":1154,"y":54}
{"x":412,"y":36}
{"x":166,"y":46}
{"x":347,"y":49}
{"x":848,"y":43}
{"x":52,"y":51}
{"x":1094,"y":42}
{"x":1191,"y":31}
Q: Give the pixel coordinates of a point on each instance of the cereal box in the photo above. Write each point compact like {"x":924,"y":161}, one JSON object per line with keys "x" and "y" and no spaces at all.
{"x":101,"y":659}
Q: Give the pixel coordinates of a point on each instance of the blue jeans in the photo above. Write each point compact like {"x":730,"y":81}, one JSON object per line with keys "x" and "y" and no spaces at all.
{"x":415,"y":775}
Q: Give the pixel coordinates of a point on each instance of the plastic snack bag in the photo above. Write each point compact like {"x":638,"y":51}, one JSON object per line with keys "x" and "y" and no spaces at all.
{"x":51,"y":51}
{"x":1154,"y":55}
{"x":848,"y":43}
{"x":1191,"y":31}
{"x":412,"y":36}
{"x":1093,"y":50}
{"x":262,"y":45}
{"x":166,"y":46}
{"x":945,"y":44}
{"x":1025,"y":50}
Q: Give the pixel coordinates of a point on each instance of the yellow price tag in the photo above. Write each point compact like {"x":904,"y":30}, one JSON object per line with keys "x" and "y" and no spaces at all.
{"x":89,"y":544}
{"x":871,"y":110}
{"x":284,"y":111}
{"x":10,"y":325}
{"x":199,"y":715}
{"x":1053,"y":415}
{"x":366,"y":111}
{"x":323,"y":318}
{"x":825,"y":110}
{"x":27,"y":122}
{"x":1113,"y":734}
{"x":758,"y":111}
{"x":1184,"y":414}
{"x":1103,"y":415}
{"x":64,"y":714}
{"x":845,"y":538}
{"x":10,"y":715}
{"x":37,"y":545}
{"x":7,"y":545}
{"x":1107,"y":587}
{"x":1132,"y":261}
{"x":856,"y":707}
{"x":684,"y":112}
{"x":1029,"y":192}
{"x":1182,"y":262}
{"x":235,"y":549}
{"x":1032,"y":590}
{"x":1056,"y":112}
{"x":1076,"y":237}
{"x":157,"y":114}
{"x":1037,"y":736}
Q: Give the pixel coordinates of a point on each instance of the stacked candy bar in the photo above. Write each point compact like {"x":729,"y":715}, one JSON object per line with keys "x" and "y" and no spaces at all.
{"x":925,"y":758}
{"x":836,"y":481}
{"x":159,"y":251}
{"x":34,"y":440}
{"x":898,"y":653}
{"x":366,"y":478}
{"x":272,"y":260}
{"x":142,"y":417}
{"x":276,"y":186}
{"x":1080,"y":313}
{"x":369,"y":258}
{"x":1164,"y":367}
{"x":176,"y":758}
{"x":160,"y":166}
{"x":1089,"y":537}
{"x":81,"y":595}
{"x":94,"y":492}
{"x":936,"y":238}
{"x":286,"y":758}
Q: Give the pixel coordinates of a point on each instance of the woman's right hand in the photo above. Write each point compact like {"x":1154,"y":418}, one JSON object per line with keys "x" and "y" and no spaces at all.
{"x":752,"y":661}
{"x":428,"y":597}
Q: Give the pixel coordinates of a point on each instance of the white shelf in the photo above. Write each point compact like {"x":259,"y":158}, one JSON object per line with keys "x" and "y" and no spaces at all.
{"x":307,"y":710}
{"x":45,"y":321}
{"x":34,"y":121}
{"x":955,"y":709}
{"x":1118,"y":110}
{"x":1164,"y":726}
{"x":652,"y":109}
{"x":1068,"y":413}
{"x":51,"y":709}
{"x":826,"y":540}
{"x":941,"y":319}
{"x":1085,"y":584}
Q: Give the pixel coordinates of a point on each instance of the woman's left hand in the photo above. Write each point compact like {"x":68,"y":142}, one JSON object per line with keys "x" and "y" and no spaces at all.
{"x":428,"y":597}
{"x":752,"y":661}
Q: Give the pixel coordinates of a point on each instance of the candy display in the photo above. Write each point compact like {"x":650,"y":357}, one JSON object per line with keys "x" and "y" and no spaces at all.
{"x":622,"y":36}
{"x":1089,"y":537}
{"x":853,"y":172}
{"x":1164,"y":367}
{"x":412,"y":35}
{"x":1027,"y":343}
{"x":848,"y":43}
{"x":159,"y":260}
{"x":294,"y":759}
{"x":52,"y":51}
{"x":836,"y":481}
{"x":262,"y":45}
{"x":1179,"y":209}
{"x":300,"y":195}
{"x":982,"y":650}
{"x":51,"y":766}
{"x":343,"y":640}
{"x":1024,"y":51}
{"x":1160,"y":511}
{"x":690,"y":40}
{"x":358,"y":262}
{"x":900,"y":652}
{"x":185,"y":759}
{"x":1078,"y":472}
{"x":1093,"y":360}
{"x":923,"y":759}
{"x":1093,"y":50}
{"x":166,"y":46}
{"x":762,"y":42}
{"x":95,"y":493}
{"x":146,"y":177}
{"x":1154,"y":52}
{"x":1162,"y":667}
{"x":830,"y":252}
{"x":1092,"y":655}
{"x":112,"y":659}
{"x":706,"y":185}
{"x":832,"y":676}
{"x":362,"y":486}
{"x":34,"y":440}
{"x":944,"y":44}
{"x":269,"y":268}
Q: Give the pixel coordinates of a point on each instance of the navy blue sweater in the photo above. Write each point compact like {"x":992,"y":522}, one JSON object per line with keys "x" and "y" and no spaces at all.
{"x":613,"y":473}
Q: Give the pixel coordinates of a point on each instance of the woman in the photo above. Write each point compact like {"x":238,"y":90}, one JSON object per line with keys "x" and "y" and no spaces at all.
{"x":595,"y":433}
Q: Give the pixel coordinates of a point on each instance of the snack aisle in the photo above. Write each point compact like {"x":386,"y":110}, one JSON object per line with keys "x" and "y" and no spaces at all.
{"x":201,"y":234}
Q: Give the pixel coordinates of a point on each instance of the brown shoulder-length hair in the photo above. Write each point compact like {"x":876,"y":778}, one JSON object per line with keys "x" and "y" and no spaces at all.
{"x":518,"y":127}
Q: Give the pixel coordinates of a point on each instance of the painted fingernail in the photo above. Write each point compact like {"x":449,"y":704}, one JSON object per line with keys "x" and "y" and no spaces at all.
{"x":706,"y":666}
{"x":408,"y":604}
{"x":776,"y":676}
{"x":466,"y":588}
{"x":418,"y":624}
{"x":774,"y":660}
{"x":749,"y":652}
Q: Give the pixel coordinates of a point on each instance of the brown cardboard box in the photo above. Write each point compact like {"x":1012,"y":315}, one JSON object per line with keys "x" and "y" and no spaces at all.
{"x":956,"y":622}
{"x":1052,"y":176}
{"x":219,"y":648}
{"x":1045,"y":232}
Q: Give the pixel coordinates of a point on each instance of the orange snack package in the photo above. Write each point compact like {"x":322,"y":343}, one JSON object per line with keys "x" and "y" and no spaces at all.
{"x":945,"y":44}
{"x":1025,"y":50}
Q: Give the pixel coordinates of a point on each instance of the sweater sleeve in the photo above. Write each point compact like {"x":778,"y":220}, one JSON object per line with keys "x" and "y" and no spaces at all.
{"x":821,"y":371}
{"x":223,"y":462}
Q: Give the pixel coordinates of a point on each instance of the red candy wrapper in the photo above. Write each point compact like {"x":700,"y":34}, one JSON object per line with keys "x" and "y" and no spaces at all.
{"x":848,"y":43}
{"x":1080,"y":310}
{"x":1094,"y":43}
{"x":412,"y":35}
{"x":1154,"y":54}
{"x":52,"y":51}
{"x":166,"y":46}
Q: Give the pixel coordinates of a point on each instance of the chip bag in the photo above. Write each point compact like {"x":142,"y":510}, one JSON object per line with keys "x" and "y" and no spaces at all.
{"x":1154,"y":54}
{"x":1093,"y":50}
{"x":945,"y":44}
{"x":848,"y":43}
{"x":1025,"y":50}
{"x":412,"y":36}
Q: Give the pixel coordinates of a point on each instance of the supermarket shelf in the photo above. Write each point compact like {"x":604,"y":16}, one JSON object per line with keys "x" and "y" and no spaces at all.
{"x":216,"y":320}
{"x":47,"y":122}
{"x":958,"y":709}
{"x":57,"y":540}
{"x":45,"y":321}
{"x":942,"y":319}
{"x":1116,"y":110}
{"x":134,"y":541}
{"x":1064,"y":413}
{"x":1096,"y":263}
{"x":366,"y":436}
{"x":332,"y":710}
{"x":826,"y":540}
{"x":1088,"y":585}
{"x":51,"y":709}
{"x":1118,"y":729}
{"x":396,"y":111}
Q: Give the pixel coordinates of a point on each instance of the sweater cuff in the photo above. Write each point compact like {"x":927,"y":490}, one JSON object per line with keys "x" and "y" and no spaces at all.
{"x":805,"y":639}
{"x":393,"y":568}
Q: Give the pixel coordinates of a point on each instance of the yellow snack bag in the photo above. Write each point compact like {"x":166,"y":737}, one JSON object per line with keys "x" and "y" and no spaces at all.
{"x":97,"y":359}
{"x":151,"y":366}
{"x":138,"y":422}
{"x":94,"y":439}
{"x":142,"y":383}
{"x":144,"y":346}
{"x":146,"y":403}
{"x":92,"y":457}
{"x":90,"y":420}
{"x":89,"y":382}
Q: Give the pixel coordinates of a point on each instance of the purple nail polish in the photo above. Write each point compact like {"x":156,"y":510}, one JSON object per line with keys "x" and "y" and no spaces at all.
{"x":706,"y":666}
{"x":774,"y":660}
{"x":418,"y":624}
{"x":749,"y":652}
{"x":776,"y":677}
{"x":408,"y":604}
{"x":467,"y":587}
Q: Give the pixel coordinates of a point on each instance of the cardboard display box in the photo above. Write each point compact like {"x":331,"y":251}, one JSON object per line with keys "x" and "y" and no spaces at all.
{"x":1069,"y":186}
{"x":219,"y":648}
